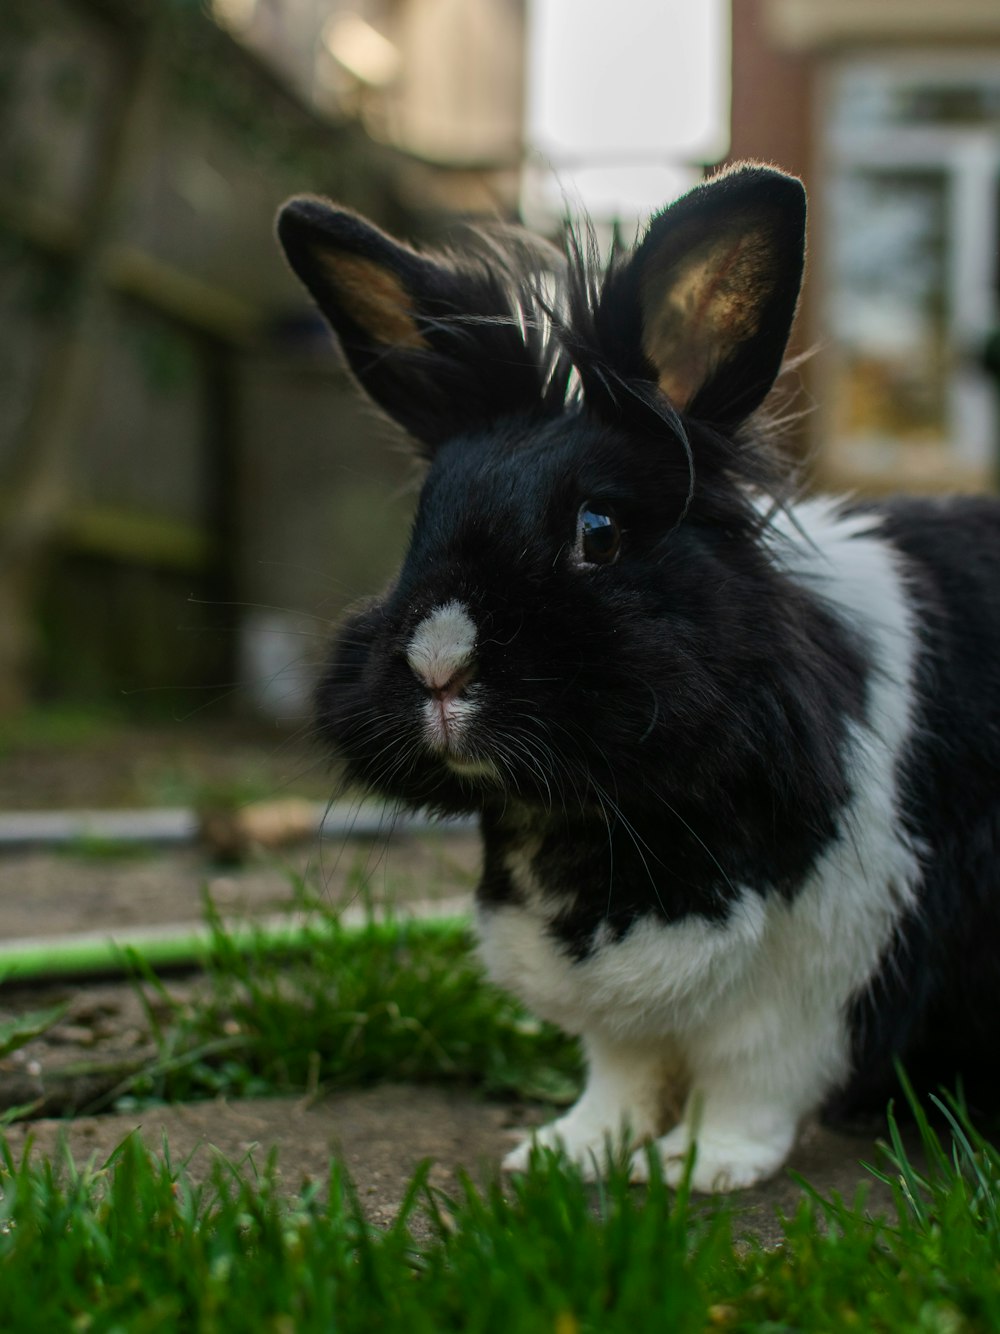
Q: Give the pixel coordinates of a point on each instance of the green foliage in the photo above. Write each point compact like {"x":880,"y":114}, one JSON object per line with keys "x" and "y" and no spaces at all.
{"x":547,"y":1252}
{"x":934,"y":1267}
{"x":396,"y":1000}
{"x":133,"y":1244}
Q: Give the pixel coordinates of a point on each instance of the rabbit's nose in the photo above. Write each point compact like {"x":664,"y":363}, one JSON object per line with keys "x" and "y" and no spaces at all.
{"x":440,"y":653}
{"x":453,"y":688}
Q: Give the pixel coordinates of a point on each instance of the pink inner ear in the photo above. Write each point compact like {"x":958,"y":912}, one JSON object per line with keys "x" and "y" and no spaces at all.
{"x":374,"y":298}
{"x":698,"y":311}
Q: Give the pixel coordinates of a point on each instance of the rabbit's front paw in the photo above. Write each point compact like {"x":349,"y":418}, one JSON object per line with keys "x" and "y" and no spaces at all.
{"x":587,"y":1144}
{"x":724,"y":1160}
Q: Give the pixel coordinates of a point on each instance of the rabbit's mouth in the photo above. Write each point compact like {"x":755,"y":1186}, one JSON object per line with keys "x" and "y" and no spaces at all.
{"x":446,"y":724}
{"x":445,"y":721}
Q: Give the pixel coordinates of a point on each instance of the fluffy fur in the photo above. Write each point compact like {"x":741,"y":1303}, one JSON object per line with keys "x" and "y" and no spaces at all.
{"x":738,"y":776}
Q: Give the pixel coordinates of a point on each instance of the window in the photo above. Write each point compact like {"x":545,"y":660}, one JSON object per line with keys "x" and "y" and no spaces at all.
{"x":910,"y":228}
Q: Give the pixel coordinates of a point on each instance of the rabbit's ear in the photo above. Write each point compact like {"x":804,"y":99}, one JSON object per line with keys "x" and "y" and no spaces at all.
{"x":715,"y":282}
{"x":361,"y":278}
{"x":432,"y":344}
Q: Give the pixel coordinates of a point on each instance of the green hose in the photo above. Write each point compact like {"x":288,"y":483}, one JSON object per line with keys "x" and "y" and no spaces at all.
{"x":88,"y":954}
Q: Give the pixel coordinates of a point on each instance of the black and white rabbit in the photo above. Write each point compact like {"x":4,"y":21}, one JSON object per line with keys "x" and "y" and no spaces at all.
{"x":736,"y":758}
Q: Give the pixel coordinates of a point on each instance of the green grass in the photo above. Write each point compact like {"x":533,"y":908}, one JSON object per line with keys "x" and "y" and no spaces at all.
{"x":132,"y":1245}
{"x":398,"y":1000}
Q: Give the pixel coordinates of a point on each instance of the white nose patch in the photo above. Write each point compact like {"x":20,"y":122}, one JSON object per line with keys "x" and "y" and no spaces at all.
{"x":442,"y":645}
{"x":440,"y":654}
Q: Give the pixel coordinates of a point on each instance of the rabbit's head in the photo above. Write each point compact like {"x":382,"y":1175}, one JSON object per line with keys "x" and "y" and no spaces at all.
{"x":587,"y":613}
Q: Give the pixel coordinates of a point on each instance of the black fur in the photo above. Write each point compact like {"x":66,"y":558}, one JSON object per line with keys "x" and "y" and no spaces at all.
{"x":615,"y":698}
{"x":486,"y":352}
{"x":678,"y":720}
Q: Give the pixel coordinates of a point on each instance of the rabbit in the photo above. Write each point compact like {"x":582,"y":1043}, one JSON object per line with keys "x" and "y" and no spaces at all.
{"x":734,"y":753}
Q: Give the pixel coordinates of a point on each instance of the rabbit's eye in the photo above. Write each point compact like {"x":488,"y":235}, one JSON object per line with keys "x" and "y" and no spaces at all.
{"x":598,"y":536}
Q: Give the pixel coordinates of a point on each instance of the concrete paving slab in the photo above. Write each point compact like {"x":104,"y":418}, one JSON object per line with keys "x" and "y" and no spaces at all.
{"x":382,"y":1134}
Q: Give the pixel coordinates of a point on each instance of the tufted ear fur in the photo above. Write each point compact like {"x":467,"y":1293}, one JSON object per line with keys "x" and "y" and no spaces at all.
{"x":705,"y":303}
{"x":435,"y":342}
{"x":702,"y":309}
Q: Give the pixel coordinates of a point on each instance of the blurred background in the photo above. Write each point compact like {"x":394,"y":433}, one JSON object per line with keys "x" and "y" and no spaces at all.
{"x":190,"y":490}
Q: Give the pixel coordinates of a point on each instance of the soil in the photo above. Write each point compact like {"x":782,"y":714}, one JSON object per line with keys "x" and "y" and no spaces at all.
{"x":75,"y":1071}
